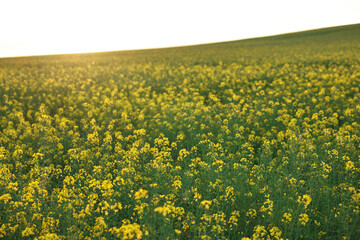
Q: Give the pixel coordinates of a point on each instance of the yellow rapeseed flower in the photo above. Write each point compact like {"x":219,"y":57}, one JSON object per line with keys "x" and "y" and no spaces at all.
{"x":27,"y":232}
{"x":303,"y":219}
{"x":128,"y":231}
{"x":287,"y":217}
{"x":206,"y":204}
{"x":305,"y":199}
{"x":163,"y":210}
{"x":141,"y":193}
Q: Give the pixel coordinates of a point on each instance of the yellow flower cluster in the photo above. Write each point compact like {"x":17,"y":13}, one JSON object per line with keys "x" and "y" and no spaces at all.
{"x":305,"y":200}
{"x":304,"y":218}
{"x":128,"y":231}
{"x":141,"y":193}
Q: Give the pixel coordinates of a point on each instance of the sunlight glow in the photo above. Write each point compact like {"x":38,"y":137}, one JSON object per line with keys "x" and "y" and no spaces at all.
{"x":67,"y":26}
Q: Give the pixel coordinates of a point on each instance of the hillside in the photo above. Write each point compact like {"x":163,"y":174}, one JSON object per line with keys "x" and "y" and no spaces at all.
{"x":249,"y":139}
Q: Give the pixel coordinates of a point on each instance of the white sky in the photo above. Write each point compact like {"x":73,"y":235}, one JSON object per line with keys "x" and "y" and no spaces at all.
{"x":70,"y":26}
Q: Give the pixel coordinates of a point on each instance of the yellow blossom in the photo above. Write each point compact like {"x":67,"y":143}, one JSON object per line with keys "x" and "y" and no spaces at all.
{"x":305,"y":199}
{"x":27,"y":232}
{"x":206,"y":204}
{"x":162,"y":210}
{"x":287,"y":217}
{"x":128,"y":231}
{"x":141,"y":193}
{"x":303,"y":219}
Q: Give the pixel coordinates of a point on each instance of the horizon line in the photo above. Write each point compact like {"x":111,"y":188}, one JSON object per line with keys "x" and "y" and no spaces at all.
{"x":177,"y":46}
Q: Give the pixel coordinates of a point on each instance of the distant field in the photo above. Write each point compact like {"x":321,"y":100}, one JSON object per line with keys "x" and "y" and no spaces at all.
{"x":251,"y":139}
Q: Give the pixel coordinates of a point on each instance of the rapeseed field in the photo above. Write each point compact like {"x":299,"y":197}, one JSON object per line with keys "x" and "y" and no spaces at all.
{"x":252,"y":139}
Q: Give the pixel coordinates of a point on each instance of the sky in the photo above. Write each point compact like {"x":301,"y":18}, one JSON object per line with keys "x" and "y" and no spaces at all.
{"x":41,"y":27}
